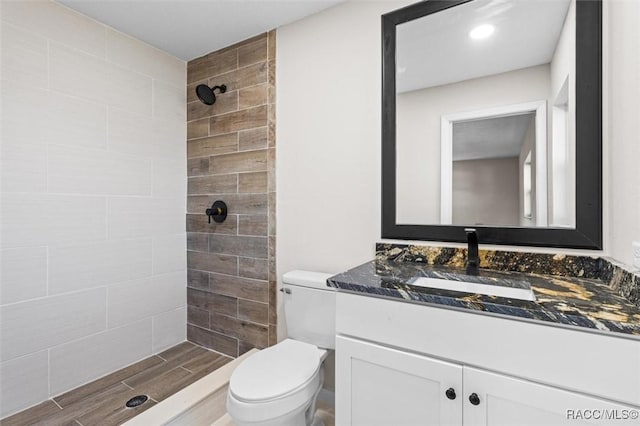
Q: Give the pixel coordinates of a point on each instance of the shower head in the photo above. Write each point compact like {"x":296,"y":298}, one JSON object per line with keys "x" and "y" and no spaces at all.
{"x":206,"y":94}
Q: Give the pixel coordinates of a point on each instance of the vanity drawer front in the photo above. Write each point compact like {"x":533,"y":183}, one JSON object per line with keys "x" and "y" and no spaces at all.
{"x":595,"y":364}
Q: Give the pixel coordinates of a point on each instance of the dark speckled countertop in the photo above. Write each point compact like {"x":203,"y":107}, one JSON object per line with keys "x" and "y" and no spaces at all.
{"x":576,"y":301}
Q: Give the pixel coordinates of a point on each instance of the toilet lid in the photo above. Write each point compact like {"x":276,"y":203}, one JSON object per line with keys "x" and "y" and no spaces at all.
{"x":275,"y":371}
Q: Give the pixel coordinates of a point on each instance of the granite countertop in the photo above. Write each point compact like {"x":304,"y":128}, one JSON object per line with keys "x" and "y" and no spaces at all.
{"x":576,"y":301}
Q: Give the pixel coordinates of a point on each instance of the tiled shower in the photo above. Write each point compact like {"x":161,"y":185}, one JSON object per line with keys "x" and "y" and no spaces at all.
{"x":93,"y":202}
{"x":231,"y":157}
{"x":105,"y":179}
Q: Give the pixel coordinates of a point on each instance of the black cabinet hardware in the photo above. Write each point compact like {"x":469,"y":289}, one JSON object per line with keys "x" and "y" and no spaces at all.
{"x":474,"y":399}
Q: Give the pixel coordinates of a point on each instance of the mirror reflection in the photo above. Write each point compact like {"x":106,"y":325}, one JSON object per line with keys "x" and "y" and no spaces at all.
{"x":485,"y":116}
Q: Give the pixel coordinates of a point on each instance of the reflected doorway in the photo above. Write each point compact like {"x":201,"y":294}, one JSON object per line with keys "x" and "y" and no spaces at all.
{"x":494,"y":167}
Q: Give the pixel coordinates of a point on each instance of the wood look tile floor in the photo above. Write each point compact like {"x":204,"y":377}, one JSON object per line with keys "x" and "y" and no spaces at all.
{"x":102,"y":402}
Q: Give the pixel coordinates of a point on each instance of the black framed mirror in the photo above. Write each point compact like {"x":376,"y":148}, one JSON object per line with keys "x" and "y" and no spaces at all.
{"x":492,"y":119}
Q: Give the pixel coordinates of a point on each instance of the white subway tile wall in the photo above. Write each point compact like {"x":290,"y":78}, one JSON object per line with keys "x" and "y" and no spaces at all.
{"x":169,"y":253}
{"x":25,"y":380}
{"x":134,"y":300}
{"x":93,"y":187}
{"x":42,"y":323}
{"x":23,"y":274}
{"x":24,"y":159}
{"x":168,"y":327}
{"x":80,"y":361}
{"x":79,"y":267}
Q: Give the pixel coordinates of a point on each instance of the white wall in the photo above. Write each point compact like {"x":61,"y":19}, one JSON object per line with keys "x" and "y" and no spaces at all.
{"x":93,"y":202}
{"x":418,"y":131}
{"x":622,"y":115}
{"x":328,"y":126}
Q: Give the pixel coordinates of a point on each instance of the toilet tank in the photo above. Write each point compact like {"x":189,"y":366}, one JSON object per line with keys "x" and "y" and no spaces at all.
{"x":310,"y":308}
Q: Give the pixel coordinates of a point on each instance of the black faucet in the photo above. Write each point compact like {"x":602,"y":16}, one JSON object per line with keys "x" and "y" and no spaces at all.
{"x":473,"y":260}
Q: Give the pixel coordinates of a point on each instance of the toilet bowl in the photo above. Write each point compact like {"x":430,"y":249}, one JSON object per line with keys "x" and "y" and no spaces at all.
{"x":279,"y":385}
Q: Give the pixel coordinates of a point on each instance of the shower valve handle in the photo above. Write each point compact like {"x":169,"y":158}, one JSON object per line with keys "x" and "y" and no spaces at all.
{"x":218,"y":211}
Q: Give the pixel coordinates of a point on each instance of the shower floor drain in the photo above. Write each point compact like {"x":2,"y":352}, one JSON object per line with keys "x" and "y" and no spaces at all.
{"x":136,"y":401}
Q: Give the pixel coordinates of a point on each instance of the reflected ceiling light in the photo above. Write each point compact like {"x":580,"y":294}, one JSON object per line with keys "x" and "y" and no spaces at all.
{"x":482,"y":31}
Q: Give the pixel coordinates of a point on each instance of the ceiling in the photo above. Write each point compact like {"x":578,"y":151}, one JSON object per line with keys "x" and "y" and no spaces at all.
{"x":189,"y":29}
{"x":436,"y":49}
{"x":495,"y":137}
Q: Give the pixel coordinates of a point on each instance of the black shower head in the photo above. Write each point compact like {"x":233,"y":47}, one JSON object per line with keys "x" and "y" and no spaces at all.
{"x":206,"y":94}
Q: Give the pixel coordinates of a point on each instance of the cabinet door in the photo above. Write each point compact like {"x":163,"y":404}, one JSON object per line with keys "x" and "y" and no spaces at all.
{"x":377,"y":385}
{"x":507,"y":401}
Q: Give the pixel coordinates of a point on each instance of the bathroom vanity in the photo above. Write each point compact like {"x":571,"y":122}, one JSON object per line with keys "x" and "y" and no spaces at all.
{"x":408,"y":355}
{"x":420,"y":341}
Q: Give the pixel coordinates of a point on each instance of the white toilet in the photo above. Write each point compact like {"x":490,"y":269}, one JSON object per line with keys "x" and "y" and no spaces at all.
{"x":278,"y":386}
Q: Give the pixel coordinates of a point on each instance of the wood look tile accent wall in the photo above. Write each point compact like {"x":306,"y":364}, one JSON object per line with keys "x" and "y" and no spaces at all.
{"x":231,"y":157}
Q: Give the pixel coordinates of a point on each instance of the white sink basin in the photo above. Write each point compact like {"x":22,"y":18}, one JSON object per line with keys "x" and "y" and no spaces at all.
{"x":479,"y":288}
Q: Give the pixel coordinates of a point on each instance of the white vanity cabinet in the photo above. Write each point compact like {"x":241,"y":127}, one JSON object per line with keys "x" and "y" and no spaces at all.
{"x":404,"y":364}
{"x":504,"y":400}
{"x":385,"y":386}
